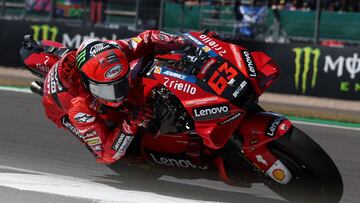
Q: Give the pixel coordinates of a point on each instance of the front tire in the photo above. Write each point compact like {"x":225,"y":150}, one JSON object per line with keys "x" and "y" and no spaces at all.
{"x":315,"y":176}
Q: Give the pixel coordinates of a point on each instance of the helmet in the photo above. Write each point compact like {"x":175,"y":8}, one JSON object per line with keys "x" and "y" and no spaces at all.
{"x":104,"y":71}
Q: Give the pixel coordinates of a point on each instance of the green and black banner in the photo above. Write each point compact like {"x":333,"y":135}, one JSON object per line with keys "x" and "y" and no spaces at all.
{"x":314,"y":70}
{"x":13,"y":31}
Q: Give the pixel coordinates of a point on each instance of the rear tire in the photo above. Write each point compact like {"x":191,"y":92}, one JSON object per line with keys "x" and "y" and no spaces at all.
{"x":315,"y":176}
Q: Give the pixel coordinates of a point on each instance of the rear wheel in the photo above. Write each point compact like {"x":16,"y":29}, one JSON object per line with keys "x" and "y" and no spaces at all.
{"x":315,"y":176}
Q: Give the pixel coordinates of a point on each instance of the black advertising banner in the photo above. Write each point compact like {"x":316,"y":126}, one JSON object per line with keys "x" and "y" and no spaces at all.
{"x":13,"y":31}
{"x":305,"y":69}
{"x":314,"y":70}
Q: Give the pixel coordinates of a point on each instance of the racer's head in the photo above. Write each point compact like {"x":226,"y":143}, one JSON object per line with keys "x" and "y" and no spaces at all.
{"x":104,"y":71}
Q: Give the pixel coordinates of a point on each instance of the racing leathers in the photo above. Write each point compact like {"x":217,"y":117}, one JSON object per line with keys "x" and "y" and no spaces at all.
{"x":106,"y":132}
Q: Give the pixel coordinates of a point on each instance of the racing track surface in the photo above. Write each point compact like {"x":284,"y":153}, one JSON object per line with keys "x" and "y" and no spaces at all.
{"x":31,"y":147}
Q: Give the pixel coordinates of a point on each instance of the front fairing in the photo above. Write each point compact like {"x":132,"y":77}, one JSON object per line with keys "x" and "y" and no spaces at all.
{"x":209,"y":111}
{"x":217,"y":90}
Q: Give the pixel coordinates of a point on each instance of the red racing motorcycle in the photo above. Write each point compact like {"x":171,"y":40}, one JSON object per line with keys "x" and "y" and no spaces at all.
{"x":206,"y":118}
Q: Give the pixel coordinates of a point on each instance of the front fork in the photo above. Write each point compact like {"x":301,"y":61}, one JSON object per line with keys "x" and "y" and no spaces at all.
{"x":257,"y":131}
{"x":265,"y":162}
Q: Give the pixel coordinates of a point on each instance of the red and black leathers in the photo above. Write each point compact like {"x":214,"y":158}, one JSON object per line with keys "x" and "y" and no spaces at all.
{"x":70,"y":105}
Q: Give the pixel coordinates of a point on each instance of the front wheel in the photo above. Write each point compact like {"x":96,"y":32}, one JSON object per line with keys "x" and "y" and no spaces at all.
{"x":315,"y":176}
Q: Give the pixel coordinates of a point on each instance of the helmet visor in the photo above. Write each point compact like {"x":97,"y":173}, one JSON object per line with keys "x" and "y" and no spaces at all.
{"x":112,"y":92}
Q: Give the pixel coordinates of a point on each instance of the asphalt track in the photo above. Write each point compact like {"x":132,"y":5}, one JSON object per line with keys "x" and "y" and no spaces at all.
{"x":52,"y":166}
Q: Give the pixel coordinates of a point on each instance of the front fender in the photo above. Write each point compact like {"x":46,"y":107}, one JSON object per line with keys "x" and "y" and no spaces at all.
{"x":258,"y":129}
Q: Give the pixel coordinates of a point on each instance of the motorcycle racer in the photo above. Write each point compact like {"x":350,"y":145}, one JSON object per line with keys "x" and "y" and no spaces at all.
{"x":83,"y":84}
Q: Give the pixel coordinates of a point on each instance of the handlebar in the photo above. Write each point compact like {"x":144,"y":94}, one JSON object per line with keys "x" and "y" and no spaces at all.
{"x":32,"y":45}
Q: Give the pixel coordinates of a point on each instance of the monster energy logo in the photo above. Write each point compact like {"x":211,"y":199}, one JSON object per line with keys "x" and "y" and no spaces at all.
{"x":305,"y":56}
{"x":80,"y":59}
{"x":45,"y":30}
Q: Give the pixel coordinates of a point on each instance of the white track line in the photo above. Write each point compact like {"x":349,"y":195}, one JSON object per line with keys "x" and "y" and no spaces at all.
{"x":76,"y":187}
{"x":15,"y":89}
{"x":325,"y":125}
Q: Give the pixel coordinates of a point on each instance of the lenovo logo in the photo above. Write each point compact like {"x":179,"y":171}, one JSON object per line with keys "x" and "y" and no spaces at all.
{"x":211,"y":112}
{"x":272,"y":127}
{"x":249,"y":64}
{"x":181,"y":163}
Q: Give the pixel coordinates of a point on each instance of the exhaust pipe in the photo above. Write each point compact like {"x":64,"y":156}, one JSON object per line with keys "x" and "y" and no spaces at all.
{"x":37,"y":87}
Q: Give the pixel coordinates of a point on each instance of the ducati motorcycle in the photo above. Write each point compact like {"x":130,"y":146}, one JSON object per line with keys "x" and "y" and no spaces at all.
{"x":206,"y":119}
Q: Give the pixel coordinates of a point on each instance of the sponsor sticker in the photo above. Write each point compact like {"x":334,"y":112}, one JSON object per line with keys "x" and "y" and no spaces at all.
{"x":98,"y":48}
{"x":175,"y":162}
{"x":199,"y":101}
{"x":206,"y":66}
{"x":192,"y":38}
{"x":71,"y":127}
{"x":236,"y":54}
{"x":113,"y":72}
{"x":121,"y":144}
{"x":81,"y":58}
{"x":136,"y":39}
{"x":239,"y":89}
{"x":180,"y":86}
{"x":90,"y":134}
{"x":175,"y":74}
{"x":213,"y":44}
{"x":44,"y":67}
{"x":118,"y":142}
{"x":273,"y":125}
{"x":231,"y":119}
{"x":97,"y":148}
{"x":261,"y":159}
{"x":283,"y":126}
{"x":279,"y":173}
{"x":112,"y":58}
{"x":206,"y":48}
{"x":250,"y":64}
{"x":211,"y":112}
{"x":84,"y":118}
{"x":254,"y":136}
{"x":157,"y":70}
{"x":93,"y":141}
{"x":171,"y":73}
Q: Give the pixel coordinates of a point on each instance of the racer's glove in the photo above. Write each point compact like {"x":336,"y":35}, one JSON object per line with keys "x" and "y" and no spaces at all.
{"x":141,"y":117}
{"x":212,"y":34}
